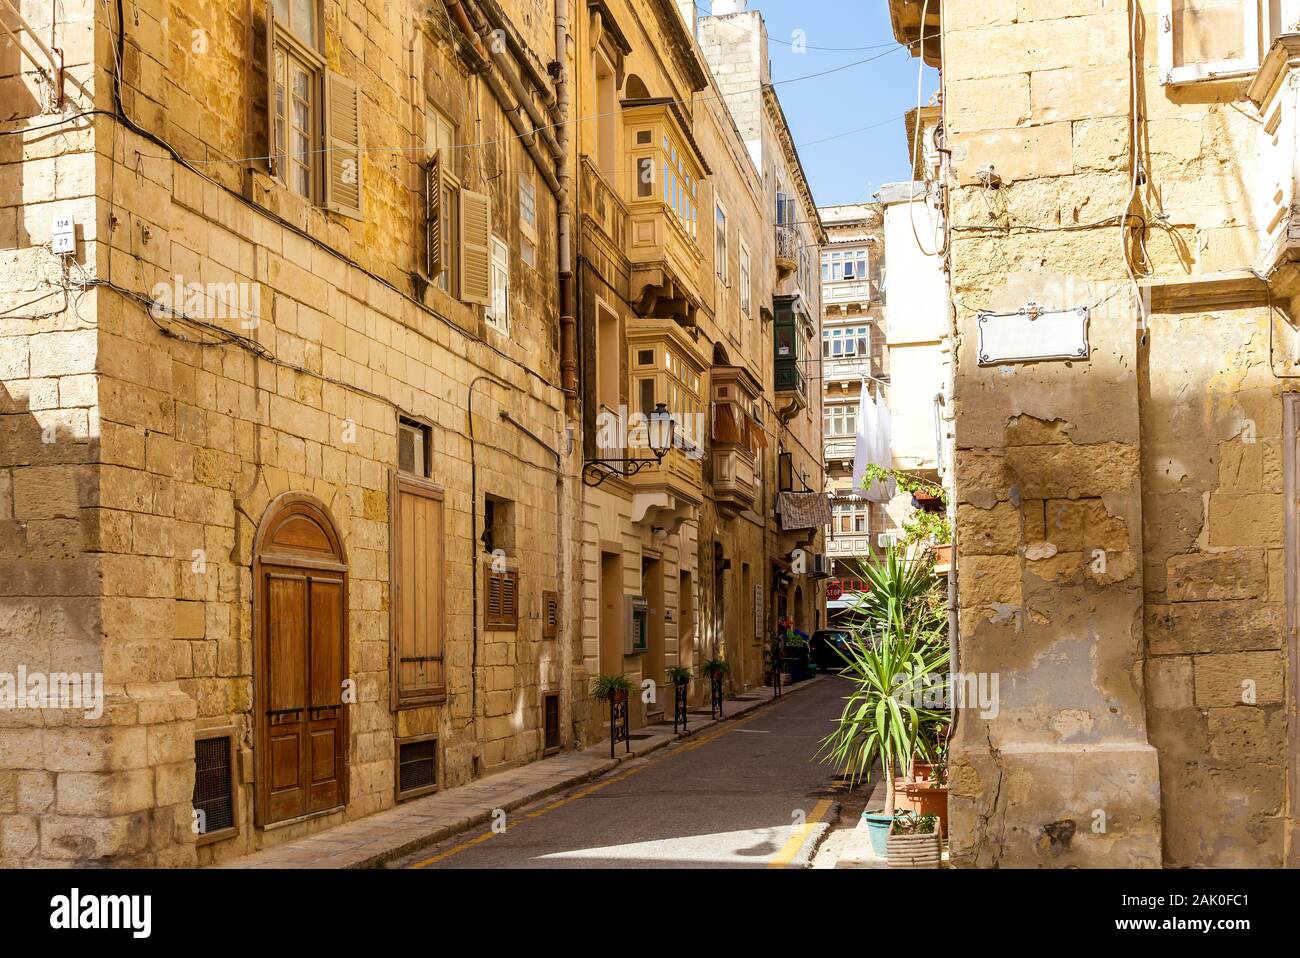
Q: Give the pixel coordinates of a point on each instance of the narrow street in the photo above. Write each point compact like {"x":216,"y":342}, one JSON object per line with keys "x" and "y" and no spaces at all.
{"x":747,"y":795}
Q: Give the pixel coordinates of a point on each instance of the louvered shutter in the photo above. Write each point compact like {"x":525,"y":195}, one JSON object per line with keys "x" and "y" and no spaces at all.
{"x":510,"y":598}
{"x":343,"y":142}
{"x":494,"y":598}
{"x":502,"y":600}
{"x":475,"y":251}
{"x":433,"y":220}
{"x":550,"y":615}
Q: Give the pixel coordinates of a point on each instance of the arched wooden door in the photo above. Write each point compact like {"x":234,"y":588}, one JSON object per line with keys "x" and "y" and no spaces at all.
{"x":301,"y":614}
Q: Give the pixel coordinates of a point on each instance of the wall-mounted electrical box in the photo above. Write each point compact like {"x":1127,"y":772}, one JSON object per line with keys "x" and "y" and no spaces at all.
{"x":636,"y":624}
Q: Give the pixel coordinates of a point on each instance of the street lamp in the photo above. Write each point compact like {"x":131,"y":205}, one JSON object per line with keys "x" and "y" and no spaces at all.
{"x":661,"y":430}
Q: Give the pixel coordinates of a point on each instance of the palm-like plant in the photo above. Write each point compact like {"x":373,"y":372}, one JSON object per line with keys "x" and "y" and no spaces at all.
{"x":899,"y":593}
{"x":899,"y":639}
{"x":884,"y":714}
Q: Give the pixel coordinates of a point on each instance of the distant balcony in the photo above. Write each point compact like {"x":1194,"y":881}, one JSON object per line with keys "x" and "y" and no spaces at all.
{"x":846,"y":292}
{"x":791,"y":380}
{"x":736,"y":436}
{"x":787,"y":250}
{"x":792,"y":331}
{"x":601,"y":203}
{"x":849,"y":545}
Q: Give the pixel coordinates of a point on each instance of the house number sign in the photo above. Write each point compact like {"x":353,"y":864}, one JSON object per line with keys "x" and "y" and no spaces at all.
{"x":1033,"y":334}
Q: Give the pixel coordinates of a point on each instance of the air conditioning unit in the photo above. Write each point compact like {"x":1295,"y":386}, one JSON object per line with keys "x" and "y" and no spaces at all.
{"x":821,"y":567}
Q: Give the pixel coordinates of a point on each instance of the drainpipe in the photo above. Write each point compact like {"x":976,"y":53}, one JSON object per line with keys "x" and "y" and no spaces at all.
{"x":568,"y":322}
{"x":507,"y":66}
{"x":483,"y":68}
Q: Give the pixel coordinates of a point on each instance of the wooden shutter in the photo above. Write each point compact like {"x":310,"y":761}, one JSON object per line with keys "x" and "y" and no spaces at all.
{"x":475,"y":251}
{"x":433,"y":219}
{"x":502,"y":600}
{"x":271,"y":165}
{"x":418,"y":601}
{"x":343,"y":145}
{"x":550,"y":614}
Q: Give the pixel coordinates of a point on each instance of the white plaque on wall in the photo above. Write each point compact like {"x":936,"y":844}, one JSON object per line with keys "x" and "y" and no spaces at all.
{"x":1033,"y":334}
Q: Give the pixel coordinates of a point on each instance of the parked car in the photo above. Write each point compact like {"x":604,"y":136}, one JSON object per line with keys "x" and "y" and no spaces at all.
{"x":823,"y":649}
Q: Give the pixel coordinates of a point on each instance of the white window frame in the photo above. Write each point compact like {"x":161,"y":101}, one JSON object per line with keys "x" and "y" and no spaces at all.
{"x":528,"y":249}
{"x":721,"y":243}
{"x":1214,"y":69}
{"x":497,"y":314}
{"x":746,"y":281}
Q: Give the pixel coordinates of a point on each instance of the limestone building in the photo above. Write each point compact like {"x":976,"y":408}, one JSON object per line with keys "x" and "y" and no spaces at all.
{"x":306,"y":335}
{"x":1120,"y":181}
{"x":734,"y":41}
{"x":284,"y":451}
{"x":854,"y":358}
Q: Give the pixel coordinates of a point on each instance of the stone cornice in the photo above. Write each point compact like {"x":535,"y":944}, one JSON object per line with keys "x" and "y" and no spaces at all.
{"x":772,"y":104}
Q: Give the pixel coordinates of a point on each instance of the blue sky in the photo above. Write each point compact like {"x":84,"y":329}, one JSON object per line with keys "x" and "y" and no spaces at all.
{"x":849,"y":168}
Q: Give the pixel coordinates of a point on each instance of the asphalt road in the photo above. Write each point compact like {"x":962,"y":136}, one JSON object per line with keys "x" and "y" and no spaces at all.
{"x":748,"y":794}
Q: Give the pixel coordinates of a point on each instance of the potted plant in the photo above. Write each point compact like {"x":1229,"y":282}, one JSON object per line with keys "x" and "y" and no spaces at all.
{"x":885,"y":712}
{"x":928,"y":795}
{"x":612,"y":688}
{"x":714,"y":666}
{"x":914,"y":842}
{"x":679,"y":675}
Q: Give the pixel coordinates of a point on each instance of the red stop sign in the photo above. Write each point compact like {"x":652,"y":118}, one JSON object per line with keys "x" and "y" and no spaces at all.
{"x":834,"y":590}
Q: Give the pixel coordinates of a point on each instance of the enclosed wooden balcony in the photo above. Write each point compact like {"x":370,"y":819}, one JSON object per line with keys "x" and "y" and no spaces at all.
{"x":663,"y":215}
{"x":737,"y":435}
{"x":666,"y":365}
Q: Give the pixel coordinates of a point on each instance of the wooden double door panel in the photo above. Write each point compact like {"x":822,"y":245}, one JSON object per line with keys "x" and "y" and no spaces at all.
{"x":304,"y":748}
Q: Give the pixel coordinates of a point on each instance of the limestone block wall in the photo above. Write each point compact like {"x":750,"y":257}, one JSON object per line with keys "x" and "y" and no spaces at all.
{"x":1120,"y":546}
{"x":1215,"y":615}
{"x":140,"y":453}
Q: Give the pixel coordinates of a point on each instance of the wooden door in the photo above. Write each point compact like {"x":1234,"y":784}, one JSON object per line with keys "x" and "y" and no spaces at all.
{"x":301,"y":665}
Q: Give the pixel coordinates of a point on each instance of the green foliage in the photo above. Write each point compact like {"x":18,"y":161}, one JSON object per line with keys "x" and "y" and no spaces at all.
{"x":607,"y":686}
{"x":710,"y":666}
{"x":910,"y":823}
{"x":902,"y":593}
{"x":900,"y":636}
{"x":679,"y":675}
{"x":881,"y":719}
{"x":921,"y":526}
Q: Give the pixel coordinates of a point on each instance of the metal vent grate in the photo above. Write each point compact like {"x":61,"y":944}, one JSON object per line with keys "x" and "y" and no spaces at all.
{"x":417,"y":766}
{"x":214,"y":785}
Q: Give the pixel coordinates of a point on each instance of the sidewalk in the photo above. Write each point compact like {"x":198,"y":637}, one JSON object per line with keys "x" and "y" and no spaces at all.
{"x":369,"y":842}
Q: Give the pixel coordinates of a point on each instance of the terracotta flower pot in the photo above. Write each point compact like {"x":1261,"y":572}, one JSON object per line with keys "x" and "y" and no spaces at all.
{"x":620,"y":695}
{"x":928,"y":798}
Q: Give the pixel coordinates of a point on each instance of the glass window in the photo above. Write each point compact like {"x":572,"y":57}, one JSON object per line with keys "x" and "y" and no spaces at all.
{"x":720,"y":242}
{"x":498,"y":314}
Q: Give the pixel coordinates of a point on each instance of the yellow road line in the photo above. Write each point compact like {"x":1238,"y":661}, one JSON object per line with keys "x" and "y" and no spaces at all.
{"x":800,"y":835}
{"x":597,"y":786}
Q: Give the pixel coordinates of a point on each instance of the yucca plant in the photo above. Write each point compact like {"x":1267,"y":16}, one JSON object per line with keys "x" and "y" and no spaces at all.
{"x":884,"y":714}
{"x":900,"y":592}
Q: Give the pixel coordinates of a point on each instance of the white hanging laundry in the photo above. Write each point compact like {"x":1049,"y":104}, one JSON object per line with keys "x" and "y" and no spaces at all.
{"x":863,"y":439}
